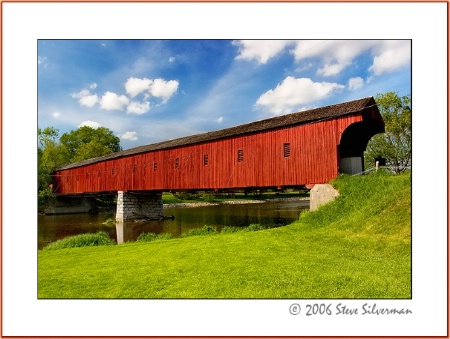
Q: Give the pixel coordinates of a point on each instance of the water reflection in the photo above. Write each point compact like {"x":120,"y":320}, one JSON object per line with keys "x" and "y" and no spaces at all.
{"x":270,"y":214}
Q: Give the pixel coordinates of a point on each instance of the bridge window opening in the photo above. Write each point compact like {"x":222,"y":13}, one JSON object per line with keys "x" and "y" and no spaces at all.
{"x":177,"y":163}
{"x":240,"y":156}
{"x":99,"y":173}
{"x":134,"y":168}
{"x":155,"y":166}
{"x":112,"y":171}
{"x":287,"y":149}
{"x":87,"y":175}
{"x":205,"y":160}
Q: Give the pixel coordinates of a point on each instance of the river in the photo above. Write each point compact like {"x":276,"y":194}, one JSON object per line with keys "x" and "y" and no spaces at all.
{"x":269,"y":213}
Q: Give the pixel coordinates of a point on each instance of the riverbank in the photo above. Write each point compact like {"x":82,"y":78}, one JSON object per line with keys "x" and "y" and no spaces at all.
{"x":358,"y":246}
{"x":232,"y":202}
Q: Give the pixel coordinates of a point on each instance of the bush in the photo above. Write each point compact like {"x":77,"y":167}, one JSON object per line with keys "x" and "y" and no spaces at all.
{"x":255,"y":227}
{"x":147,"y":237}
{"x":186,"y":195}
{"x":205,"y":230}
{"x":232,"y":229}
{"x":82,"y":240}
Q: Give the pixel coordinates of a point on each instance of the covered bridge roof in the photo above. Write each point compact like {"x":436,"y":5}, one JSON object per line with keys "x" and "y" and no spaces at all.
{"x":292,"y":119}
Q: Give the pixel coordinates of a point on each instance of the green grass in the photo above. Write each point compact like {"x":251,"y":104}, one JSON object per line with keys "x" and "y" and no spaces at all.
{"x":358,"y":246}
{"x":82,"y":240}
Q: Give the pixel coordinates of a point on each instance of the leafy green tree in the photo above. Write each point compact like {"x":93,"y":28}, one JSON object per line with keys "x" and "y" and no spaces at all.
{"x":83,"y":143}
{"x":50,"y":156}
{"x":395,"y":145}
{"x":87,"y":142}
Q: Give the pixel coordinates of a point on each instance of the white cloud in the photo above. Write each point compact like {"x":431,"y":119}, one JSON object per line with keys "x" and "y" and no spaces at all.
{"x":219,"y":119}
{"x":42,"y":61}
{"x":391,"y":54}
{"x":332,"y":69}
{"x":134,"y":86}
{"x":138,"y":107}
{"x":260,"y":50}
{"x":161,"y":88}
{"x":85,"y":98}
{"x":129,"y":136}
{"x":355,"y":83}
{"x":93,"y":85}
{"x":90,"y":123}
{"x":293,"y":92}
{"x":112,"y":101}
{"x":336,"y":54}
{"x":56,"y":114}
{"x":158,"y":88}
{"x":172,"y":59}
{"x":88,"y":100}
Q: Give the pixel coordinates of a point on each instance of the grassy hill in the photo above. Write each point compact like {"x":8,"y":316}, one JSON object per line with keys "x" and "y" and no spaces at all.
{"x":358,"y":246}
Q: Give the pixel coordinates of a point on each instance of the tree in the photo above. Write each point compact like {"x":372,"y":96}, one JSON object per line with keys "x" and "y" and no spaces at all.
{"x":87,"y":142}
{"x":395,"y":145}
{"x":77,"y":145}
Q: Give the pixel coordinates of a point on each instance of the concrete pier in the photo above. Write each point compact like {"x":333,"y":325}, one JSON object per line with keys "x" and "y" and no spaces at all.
{"x":139,"y":205}
{"x":321,"y":194}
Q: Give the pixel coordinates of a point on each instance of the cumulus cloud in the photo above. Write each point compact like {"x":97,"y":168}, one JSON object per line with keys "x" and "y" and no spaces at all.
{"x":134,"y":86}
{"x":260,"y":50}
{"x":112,"y":101}
{"x":138,"y":107}
{"x":335,"y":54}
{"x":90,"y":123}
{"x":85,"y":98}
{"x":355,"y":83}
{"x":390,"y":55}
{"x":129,"y":136}
{"x":172,"y":59}
{"x":93,"y":86}
{"x":163,"y":89}
{"x":293,"y":92}
{"x":158,"y":88}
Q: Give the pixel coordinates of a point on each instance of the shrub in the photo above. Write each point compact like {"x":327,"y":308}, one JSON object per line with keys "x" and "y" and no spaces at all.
{"x":147,"y":237}
{"x":232,"y":229}
{"x":205,"y":230}
{"x":255,"y":227}
{"x":82,"y":240}
{"x":186,"y":195}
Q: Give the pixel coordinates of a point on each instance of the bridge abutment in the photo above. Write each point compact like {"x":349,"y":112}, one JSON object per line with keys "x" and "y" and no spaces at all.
{"x":72,"y":205}
{"x":139,"y":205}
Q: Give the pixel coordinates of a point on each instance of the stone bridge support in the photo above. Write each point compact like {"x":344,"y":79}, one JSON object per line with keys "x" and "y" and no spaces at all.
{"x":321,"y":194}
{"x":137,"y":205}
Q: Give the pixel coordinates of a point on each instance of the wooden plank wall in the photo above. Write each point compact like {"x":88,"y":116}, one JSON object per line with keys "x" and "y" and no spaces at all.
{"x":313,"y":159}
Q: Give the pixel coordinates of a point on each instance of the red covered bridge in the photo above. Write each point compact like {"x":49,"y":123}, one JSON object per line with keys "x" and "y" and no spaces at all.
{"x":292,"y":150}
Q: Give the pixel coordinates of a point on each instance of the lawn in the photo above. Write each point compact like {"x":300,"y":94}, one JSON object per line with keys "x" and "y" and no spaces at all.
{"x":358,"y":246}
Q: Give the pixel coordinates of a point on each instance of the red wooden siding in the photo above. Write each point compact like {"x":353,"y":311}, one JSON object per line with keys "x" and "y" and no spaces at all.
{"x":313,"y":159}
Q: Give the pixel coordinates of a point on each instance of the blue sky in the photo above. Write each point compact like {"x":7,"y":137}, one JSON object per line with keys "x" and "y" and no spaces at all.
{"x":147,"y":91}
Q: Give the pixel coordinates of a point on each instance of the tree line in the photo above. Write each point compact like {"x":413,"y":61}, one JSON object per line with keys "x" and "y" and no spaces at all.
{"x":54,"y":151}
{"x":81,"y":144}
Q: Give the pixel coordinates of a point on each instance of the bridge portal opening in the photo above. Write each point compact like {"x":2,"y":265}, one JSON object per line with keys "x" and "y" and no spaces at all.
{"x":354,"y":142}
